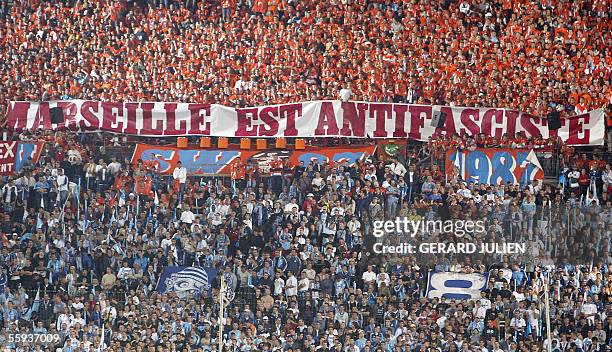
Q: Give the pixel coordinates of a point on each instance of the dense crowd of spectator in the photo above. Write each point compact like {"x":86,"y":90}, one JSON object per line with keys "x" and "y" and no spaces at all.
{"x":296,"y":247}
{"x":511,"y":54}
{"x":298,"y":254}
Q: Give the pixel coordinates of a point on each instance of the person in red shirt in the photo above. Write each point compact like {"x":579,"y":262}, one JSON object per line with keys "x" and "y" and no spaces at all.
{"x":238,"y":173}
{"x":584,"y":182}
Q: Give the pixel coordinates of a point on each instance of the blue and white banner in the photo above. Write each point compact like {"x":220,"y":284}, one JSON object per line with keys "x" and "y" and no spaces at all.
{"x":456,"y":285}
{"x":496,"y":165}
{"x":185,"y":280}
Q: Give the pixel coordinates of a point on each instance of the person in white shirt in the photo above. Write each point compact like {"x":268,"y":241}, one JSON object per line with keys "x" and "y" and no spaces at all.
{"x":397,"y":168}
{"x":518,"y":324}
{"x":573,"y":177}
{"x":242,"y":85}
{"x":369,"y":276}
{"x":77,"y":319}
{"x":606,"y":177}
{"x":221,"y":207}
{"x":279,"y":284}
{"x":533,"y":317}
{"x":353,"y":225}
{"x":479,"y":311}
{"x":589,"y":309}
{"x":317,"y":180}
{"x":166,"y":242}
{"x":291,"y":205}
{"x":338,"y":209}
{"x":62,"y":186}
{"x":383,"y":277}
{"x":464,"y":191}
{"x":63,"y":321}
{"x":302,"y":233}
{"x":346,"y":93}
{"x":114,"y":167}
{"x":125,"y":272}
{"x":304,"y":284}
{"x":180,"y":174}
{"x":187,"y":216}
{"x":370,"y":175}
{"x":292,"y":285}
{"x":109,"y":312}
{"x":341,"y":315}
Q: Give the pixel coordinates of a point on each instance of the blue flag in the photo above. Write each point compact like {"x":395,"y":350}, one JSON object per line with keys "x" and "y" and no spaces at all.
{"x":86,"y":215}
{"x":3,"y":280}
{"x":185,"y":280}
{"x":34,"y":308}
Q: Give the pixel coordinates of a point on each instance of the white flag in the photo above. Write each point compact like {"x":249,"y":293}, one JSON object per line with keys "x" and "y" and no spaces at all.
{"x":533,"y":159}
{"x":456,"y":162}
{"x":101,"y":348}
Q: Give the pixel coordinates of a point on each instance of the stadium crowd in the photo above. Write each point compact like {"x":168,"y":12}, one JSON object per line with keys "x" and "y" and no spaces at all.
{"x":297,"y":250}
{"x":511,"y":54}
{"x":298,"y":256}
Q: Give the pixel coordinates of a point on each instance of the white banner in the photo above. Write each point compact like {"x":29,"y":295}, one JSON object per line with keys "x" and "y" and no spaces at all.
{"x":456,"y":285}
{"x":308,"y":119}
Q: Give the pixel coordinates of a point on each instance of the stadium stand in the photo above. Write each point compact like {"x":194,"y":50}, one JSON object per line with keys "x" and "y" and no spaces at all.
{"x":84,"y":250}
{"x":516,"y":54}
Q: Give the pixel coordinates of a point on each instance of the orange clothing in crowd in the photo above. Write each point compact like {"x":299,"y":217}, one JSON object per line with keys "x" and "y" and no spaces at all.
{"x":296,"y":51}
{"x":238,"y":170}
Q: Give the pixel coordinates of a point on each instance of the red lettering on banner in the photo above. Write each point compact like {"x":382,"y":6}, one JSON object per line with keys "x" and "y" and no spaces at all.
{"x":416,"y":119}
{"x":11,"y":117}
{"x":43,"y":117}
{"x":171,"y":129}
{"x":131,"y":118}
{"x":511,"y":118}
{"x":109,"y":117}
{"x":90,"y":121}
{"x":576,"y":126}
{"x":527,"y":121}
{"x":147,"y":121}
{"x":327,"y":125}
{"x":7,"y":158}
{"x":449,"y":123}
{"x":268,"y":116}
{"x":381,"y":112}
{"x":126,"y":118}
{"x":490,"y":116}
{"x":245,"y":128}
{"x":291,"y":112}
{"x":468,"y":119}
{"x":18,"y":114}
{"x":400,"y":119}
{"x":7,"y":150}
{"x":353,"y":119}
{"x":70,"y":112}
{"x":197,"y":118}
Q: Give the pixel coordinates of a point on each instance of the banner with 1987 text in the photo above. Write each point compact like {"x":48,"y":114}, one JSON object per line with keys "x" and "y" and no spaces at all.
{"x":495,"y":165}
